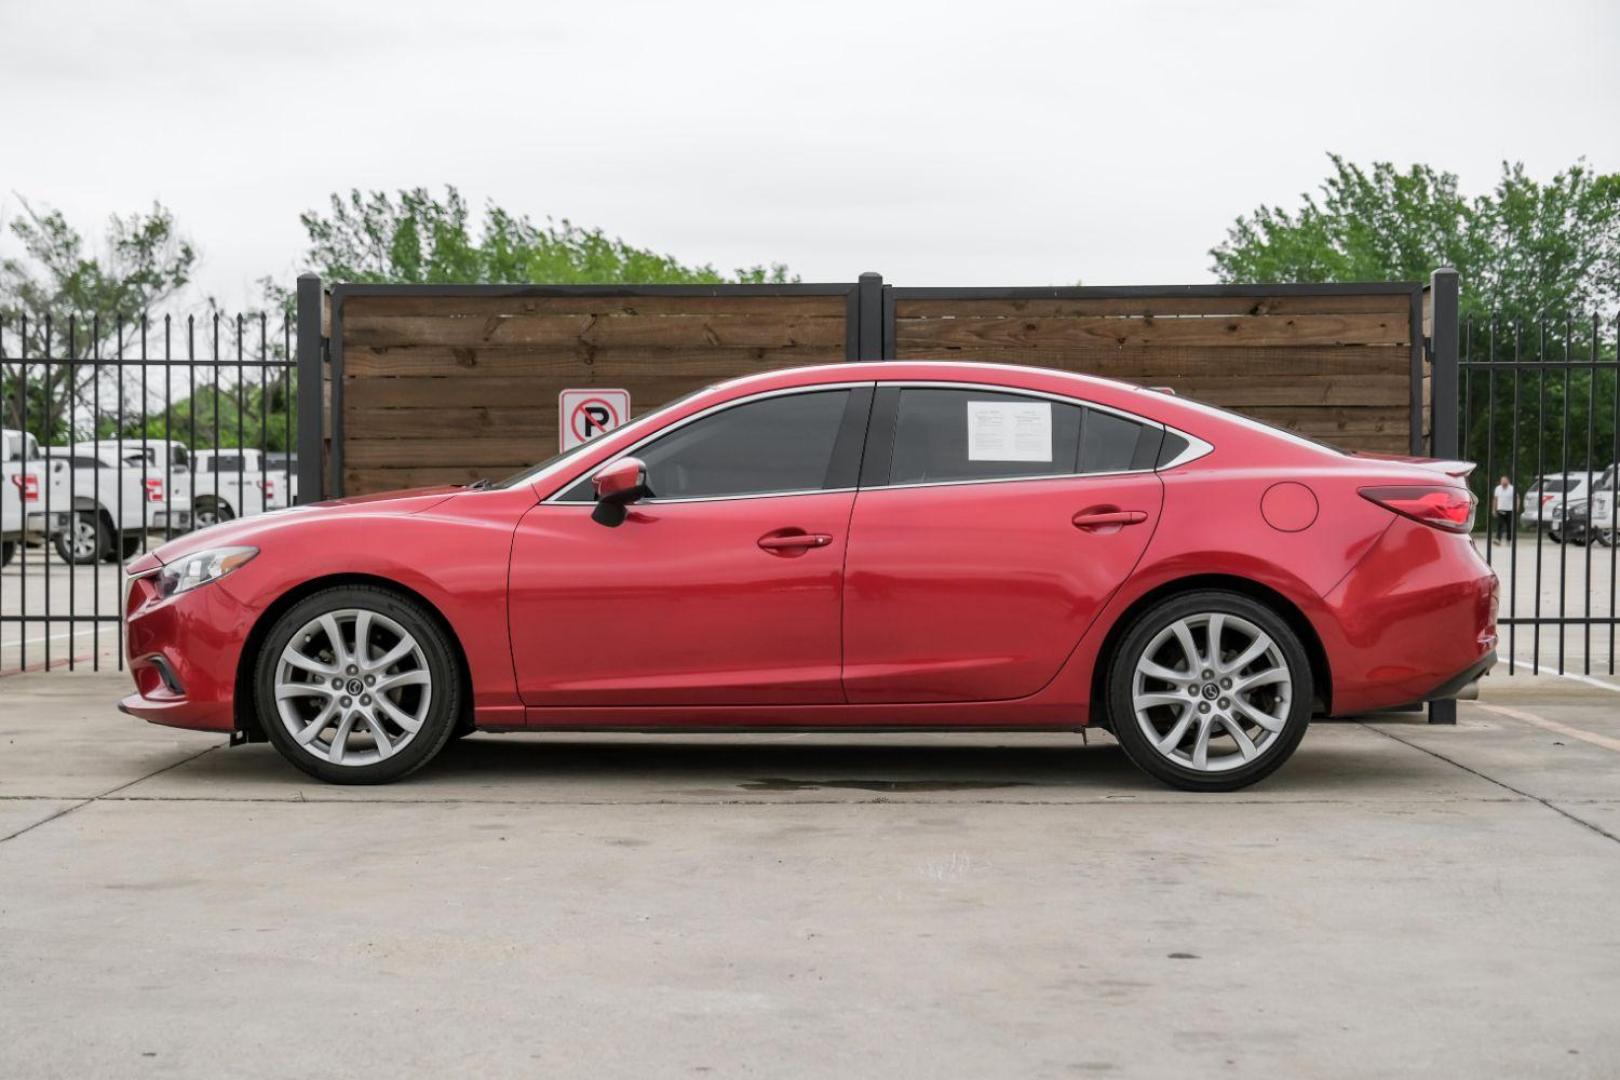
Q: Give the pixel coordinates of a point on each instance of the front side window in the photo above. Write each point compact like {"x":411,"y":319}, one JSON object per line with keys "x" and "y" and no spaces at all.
{"x":778,"y":445}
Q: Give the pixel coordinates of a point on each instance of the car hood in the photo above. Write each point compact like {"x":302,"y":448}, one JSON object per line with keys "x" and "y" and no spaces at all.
{"x":245,"y":530}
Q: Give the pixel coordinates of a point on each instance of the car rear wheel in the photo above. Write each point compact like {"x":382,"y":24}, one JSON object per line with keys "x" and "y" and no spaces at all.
{"x":8,"y":550}
{"x":212,"y":512}
{"x":357,"y":685}
{"x":1209,"y":691}
{"x":85,"y":540}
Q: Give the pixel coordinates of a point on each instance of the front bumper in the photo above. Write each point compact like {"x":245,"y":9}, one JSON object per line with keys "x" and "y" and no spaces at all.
{"x":183,"y":653}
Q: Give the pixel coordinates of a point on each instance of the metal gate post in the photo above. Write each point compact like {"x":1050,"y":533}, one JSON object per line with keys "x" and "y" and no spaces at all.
{"x":869,"y":329}
{"x":1443,"y":402}
{"x":310,"y":377}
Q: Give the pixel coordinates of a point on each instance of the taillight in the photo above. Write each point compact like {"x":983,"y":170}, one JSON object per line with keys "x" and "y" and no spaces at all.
{"x":1545,"y":499}
{"x":154,"y":489}
{"x":1448,"y":508}
{"x":27,"y":485}
{"x":269,"y":489}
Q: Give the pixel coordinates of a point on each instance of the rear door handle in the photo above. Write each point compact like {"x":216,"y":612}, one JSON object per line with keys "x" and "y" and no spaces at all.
{"x":793,"y":541}
{"x":1093,"y":519}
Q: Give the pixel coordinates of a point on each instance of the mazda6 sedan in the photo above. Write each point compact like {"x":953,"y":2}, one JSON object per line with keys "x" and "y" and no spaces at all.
{"x":860,"y":547}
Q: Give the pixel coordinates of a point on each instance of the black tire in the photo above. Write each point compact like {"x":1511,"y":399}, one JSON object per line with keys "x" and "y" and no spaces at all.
{"x":8,"y":551}
{"x":86,"y":540}
{"x":211,"y":511}
{"x":444,"y":705}
{"x":130,"y":546}
{"x":1141,"y":634}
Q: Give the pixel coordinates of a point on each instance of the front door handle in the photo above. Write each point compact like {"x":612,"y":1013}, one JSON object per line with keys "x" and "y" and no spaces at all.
{"x":793,"y":541}
{"x":1096,"y":519}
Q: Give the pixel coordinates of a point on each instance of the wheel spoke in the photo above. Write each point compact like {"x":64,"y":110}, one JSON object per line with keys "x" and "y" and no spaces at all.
{"x":1183,"y":634}
{"x":1265,"y":720}
{"x":384,"y":747}
{"x":1200,"y":754}
{"x":1245,"y":744}
{"x":291,"y":655}
{"x":334,"y":635}
{"x":1257,"y":648}
{"x":1217,"y":625}
{"x":392,"y":656}
{"x":1173,"y":738}
{"x":340,"y":738}
{"x":303,"y":689}
{"x":1148,"y":700}
{"x":402,"y":678}
{"x":362,"y":633}
{"x":399,"y":716}
{"x":1260,"y":678}
{"x":1163,"y":674}
{"x":313,"y":730}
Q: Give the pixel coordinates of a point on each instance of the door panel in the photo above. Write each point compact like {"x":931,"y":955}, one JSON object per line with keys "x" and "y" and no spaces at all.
{"x":725,"y":602}
{"x":979,"y":592}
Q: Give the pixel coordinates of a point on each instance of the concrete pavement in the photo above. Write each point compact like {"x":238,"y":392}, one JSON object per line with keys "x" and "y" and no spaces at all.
{"x":1398,"y":901}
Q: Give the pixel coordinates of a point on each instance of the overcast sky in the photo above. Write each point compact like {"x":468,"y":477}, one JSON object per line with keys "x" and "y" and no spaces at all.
{"x":986,"y":143}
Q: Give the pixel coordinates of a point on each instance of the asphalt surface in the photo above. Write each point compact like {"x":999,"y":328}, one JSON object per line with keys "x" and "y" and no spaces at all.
{"x":1399,"y":900}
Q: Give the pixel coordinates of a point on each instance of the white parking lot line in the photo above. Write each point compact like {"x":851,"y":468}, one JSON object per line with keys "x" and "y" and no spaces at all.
{"x":1587,"y":679}
{"x":1553,"y":725}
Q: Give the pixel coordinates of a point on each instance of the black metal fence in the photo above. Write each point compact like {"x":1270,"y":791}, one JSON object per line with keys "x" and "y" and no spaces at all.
{"x":120,"y":434}
{"x":147,"y":427}
{"x":1538,"y":401}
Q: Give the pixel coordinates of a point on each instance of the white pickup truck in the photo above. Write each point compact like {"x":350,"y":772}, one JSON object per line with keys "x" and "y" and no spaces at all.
{"x":21,"y":476}
{"x":100,"y":506}
{"x":232,"y":483}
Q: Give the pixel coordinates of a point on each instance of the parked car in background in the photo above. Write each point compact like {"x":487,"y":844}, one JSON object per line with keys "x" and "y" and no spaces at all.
{"x":1570,"y":523}
{"x":284,"y":466}
{"x":104,"y":500}
{"x":1545,"y":497}
{"x":1603,"y":505}
{"x":20,"y":489}
{"x":233,"y":483}
{"x":828,"y":548}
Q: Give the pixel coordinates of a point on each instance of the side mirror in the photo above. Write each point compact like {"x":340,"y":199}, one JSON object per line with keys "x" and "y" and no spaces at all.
{"x":617,"y":486}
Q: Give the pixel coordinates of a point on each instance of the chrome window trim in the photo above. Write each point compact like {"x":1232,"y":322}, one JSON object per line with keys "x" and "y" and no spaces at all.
{"x":1196,"y":447}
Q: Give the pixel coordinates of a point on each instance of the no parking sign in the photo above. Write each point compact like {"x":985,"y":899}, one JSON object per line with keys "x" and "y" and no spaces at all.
{"x":582,"y":415}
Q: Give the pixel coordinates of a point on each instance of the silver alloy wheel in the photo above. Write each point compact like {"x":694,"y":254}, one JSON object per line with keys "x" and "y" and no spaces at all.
{"x":353,"y":687}
{"x":1212,"y":692}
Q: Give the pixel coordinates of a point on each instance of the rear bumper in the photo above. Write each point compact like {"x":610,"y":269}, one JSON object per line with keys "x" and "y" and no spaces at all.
{"x":1415,"y":617}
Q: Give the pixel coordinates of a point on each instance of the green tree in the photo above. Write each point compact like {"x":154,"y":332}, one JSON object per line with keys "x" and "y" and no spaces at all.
{"x":1539,"y":261}
{"x":415,"y":237}
{"x":59,"y":299}
{"x":1523,"y":249}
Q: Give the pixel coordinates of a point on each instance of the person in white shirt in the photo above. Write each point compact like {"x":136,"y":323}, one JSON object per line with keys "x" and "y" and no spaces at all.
{"x":1502,"y":503}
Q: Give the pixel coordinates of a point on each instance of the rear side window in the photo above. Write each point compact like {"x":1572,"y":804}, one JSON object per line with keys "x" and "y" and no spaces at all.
{"x":962,"y":435}
{"x":1112,"y":443}
{"x":945,"y":435}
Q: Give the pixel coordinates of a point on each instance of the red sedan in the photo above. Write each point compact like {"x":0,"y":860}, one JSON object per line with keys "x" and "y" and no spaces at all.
{"x":879,"y":546}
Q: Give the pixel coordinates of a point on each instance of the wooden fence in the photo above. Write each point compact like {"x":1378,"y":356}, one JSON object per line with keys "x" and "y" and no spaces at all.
{"x":448,"y":384}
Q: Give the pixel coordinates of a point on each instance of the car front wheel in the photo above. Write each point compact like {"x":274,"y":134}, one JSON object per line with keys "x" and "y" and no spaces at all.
{"x":357,"y":685}
{"x":1209,"y":691}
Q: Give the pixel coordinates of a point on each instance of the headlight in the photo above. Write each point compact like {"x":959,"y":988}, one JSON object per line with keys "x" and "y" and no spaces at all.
{"x":201,"y":567}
